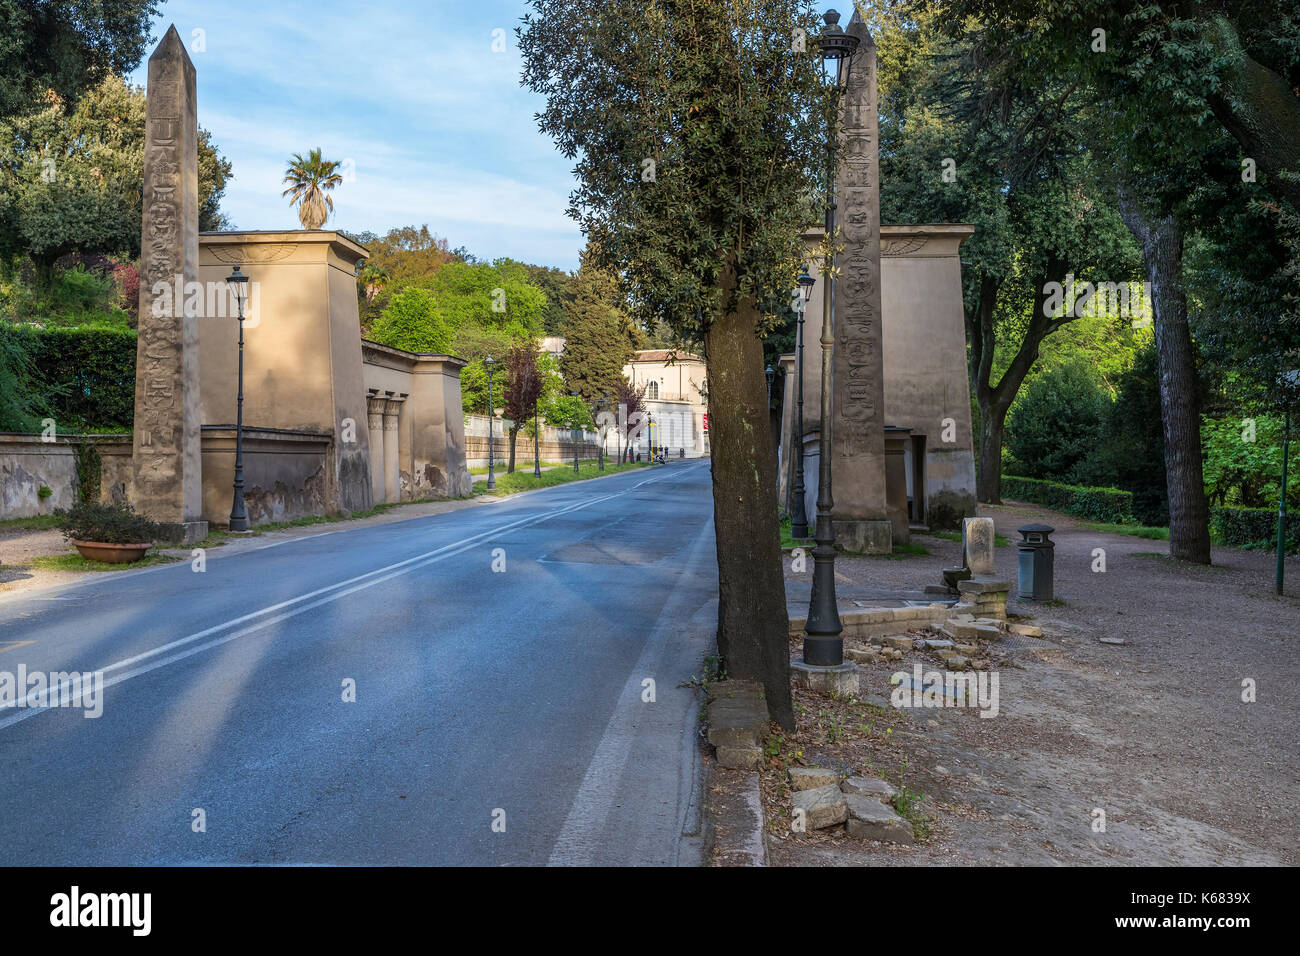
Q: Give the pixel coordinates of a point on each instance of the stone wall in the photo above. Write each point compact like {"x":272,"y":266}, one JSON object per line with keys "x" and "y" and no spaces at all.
{"x":286,"y":474}
{"x":28,"y":463}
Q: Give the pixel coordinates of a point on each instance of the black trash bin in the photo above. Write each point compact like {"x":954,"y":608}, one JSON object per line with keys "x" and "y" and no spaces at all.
{"x":1037,"y":556}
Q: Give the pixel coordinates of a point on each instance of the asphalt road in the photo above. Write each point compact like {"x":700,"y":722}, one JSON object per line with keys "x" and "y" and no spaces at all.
{"x":500,"y":716}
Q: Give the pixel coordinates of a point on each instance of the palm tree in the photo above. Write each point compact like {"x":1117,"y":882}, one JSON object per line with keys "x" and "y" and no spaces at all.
{"x":309,"y":179}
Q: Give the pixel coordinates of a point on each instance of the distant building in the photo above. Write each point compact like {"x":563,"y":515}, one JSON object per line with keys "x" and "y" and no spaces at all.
{"x":676,"y":401}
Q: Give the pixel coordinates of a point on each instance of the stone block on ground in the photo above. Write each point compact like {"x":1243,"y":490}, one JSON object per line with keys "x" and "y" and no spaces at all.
{"x":862,"y":655}
{"x":737,"y":720}
{"x":841,"y":679}
{"x":822,"y":806}
{"x":900,"y":642}
{"x":742,"y":758}
{"x":810,"y":778}
{"x":870,"y":819}
{"x":869,"y":787}
{"x":1025,"y":630}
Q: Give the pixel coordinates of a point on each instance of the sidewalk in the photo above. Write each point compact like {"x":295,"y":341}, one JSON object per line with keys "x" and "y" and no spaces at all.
{"x":1153,"y":731}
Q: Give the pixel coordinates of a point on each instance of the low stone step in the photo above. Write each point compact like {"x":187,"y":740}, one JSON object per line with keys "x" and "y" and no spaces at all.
{"x":737,"y":719}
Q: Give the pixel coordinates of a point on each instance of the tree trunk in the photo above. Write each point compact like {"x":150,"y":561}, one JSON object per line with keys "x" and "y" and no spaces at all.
{"x":995,"y":400}
{"x":514,"y":435}
{"x":988,"y":480}
{"x":753,"y":625}
{"x":1162,"y":250}
{"x":1259,"y":110}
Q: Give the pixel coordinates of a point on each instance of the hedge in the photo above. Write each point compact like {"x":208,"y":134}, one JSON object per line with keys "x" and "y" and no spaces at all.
{"x":1253,"y":528}
{"x":83,"y":378}
{"x":1236,"y":527}
{"x":1096,"y":504}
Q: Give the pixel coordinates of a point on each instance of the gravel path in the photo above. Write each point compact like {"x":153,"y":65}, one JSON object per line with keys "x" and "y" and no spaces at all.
{"x":1153,"y":731}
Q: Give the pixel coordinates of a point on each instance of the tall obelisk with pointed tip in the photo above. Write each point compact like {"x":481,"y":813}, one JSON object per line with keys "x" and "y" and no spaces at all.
{"x":861,"y":516}
{"x":166,"y":458}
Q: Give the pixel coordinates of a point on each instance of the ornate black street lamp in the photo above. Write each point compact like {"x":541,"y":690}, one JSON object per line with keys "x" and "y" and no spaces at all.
{"x":238,"y":513}
{"x":600,"y":452}
{"x":492,"y":478}
{"x":798,"y":511}
{"x":537,"y":443}
{"x":822,"y":643}
{"x":1290,"y":383}
{"x":769,"y":375}
{"x":650,"y":437}
{"x":575,"y":435}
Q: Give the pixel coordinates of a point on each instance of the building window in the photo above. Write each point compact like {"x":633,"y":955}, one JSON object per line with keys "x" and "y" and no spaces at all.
{"x":652,"y":392}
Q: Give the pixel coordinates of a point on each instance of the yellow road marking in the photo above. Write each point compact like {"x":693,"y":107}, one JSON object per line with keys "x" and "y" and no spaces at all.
{"x":10,"y":645}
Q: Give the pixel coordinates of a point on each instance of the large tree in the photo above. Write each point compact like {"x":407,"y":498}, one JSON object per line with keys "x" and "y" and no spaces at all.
{"x":72,"y":177}
{"x":696,"y":129}
{"x":1008,"y":158}
{"x":599,"y":337}
{"x":66,"y":46}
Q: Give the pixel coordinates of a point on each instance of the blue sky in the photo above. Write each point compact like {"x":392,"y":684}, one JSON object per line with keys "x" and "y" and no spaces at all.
{"x":433,"y":123}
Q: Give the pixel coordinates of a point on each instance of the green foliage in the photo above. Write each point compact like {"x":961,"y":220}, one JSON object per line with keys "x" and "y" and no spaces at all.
{"x":17,"y":397}
{"x":1096,"y":504}
{"x":83,"y":378}
{"x":696,"y":132}
{"x":66,"y":46}
{"x":72,"y":177}
{"x":599,"y":337}
{"x":90,"y":470}
{"x":1254,"y":528}
{"x":523,"y":479}
{"x":567,"y":411}
{"x":413,"y":322}
{"x":310,"y":180}
{"x":106,"y":524}
{"x":1057,"y":422}
{"x":1243,"y":461}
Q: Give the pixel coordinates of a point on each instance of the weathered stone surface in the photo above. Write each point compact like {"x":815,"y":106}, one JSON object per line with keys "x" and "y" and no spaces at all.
{"x":869,"y":786}
{"x":167,"y":483}
{"x":822,"y":806}
{"x":901,"y":643}
{"x":737,"y":720}
{"x":862,"y":655}
{"x":870,"y":819}
{"x":938,"y":644}
{"x":1112,"y":640}
{"x":980,"y":548}
{"x":810,"y":778}
{"x":743,"y":758}
{"x":1025,"y":630}
{"x":954,"y":660}
{"x":841,"y":679}
{"x":861,"y":516}
{"x":967,"y":650}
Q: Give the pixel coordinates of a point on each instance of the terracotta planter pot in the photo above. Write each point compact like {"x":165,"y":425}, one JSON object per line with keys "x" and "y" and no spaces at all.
{"x":111,"y":553}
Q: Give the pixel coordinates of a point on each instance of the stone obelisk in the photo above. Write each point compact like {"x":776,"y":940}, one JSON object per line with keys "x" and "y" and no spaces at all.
{"x":166,"y":459}
{"x":861,"y":515}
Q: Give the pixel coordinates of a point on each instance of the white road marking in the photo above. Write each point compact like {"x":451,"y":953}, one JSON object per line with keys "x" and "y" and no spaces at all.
{"x":331,"y":592}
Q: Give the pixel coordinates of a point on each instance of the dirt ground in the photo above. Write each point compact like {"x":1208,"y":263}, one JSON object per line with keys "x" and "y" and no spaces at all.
{"x":1154,"y":731}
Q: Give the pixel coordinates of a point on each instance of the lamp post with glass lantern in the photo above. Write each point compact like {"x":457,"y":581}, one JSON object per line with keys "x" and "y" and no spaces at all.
{"x":798,"y":511}
{"x":823,"y":645}
{"x":238,"y":513}
{"x":492,"y":480}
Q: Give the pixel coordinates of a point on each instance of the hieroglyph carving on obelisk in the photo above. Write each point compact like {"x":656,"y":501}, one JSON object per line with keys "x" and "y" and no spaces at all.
{"x":167,"y":483}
